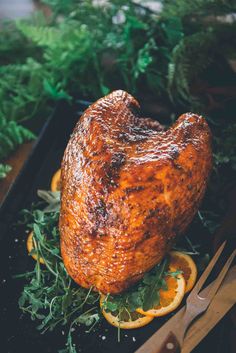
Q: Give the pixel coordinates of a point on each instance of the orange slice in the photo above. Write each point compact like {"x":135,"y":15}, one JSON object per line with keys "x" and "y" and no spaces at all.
{"x":31,"y":245}
{"x":56,"y":181}
{"x":185,"y":263}
{"x":125,"y":319}
{"x":169,"y":299}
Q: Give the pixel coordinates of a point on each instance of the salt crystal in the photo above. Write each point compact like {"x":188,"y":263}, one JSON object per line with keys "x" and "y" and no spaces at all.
{"x":103,"y":338}
{"x":16,"y":240}
{"x":134,"y":339}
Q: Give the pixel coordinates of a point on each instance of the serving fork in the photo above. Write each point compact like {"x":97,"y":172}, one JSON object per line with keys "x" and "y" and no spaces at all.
{"x":195,"y":305}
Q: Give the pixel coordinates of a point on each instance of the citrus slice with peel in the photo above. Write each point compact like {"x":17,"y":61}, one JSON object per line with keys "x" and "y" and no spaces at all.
{"x":125,"y":319}
{"x":170,"y":299}
{"x":184,"y":263}
{"x":31,"y":245}
{"x":56,"y":181}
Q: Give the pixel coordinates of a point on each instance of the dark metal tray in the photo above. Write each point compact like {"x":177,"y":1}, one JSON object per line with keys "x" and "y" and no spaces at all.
{"x":18,"y":332}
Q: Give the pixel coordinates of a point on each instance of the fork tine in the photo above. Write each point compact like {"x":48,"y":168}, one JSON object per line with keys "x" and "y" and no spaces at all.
{"x":221,"y":276}
{"x":207,"y":271}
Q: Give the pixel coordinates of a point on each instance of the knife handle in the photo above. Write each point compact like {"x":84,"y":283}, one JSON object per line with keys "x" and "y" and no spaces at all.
{"x":170,"y":345}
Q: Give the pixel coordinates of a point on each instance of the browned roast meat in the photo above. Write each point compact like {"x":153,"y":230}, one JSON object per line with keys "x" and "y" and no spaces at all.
{"x":128,"y":190}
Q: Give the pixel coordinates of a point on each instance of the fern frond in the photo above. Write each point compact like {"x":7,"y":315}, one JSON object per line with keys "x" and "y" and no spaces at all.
{"x":12,"y":135}
{"x":42,"y":36}
{"x":189,"y":59}
{"x":144,"y":58}
{"x":14,"y":46}
{"x":21,"y":89}
{"x":4,"y":170}
{"x":197,"y":8}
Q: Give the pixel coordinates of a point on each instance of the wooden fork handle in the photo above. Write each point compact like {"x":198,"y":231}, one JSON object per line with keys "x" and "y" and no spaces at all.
{"x":170,"y":345}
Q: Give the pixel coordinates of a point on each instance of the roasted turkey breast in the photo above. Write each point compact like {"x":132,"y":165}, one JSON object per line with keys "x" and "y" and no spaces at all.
{"x":129,"y":189}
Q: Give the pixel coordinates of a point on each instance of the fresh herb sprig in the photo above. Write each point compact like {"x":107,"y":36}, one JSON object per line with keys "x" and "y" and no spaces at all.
{"x":51,"y":297}
{"x":144,"y":295}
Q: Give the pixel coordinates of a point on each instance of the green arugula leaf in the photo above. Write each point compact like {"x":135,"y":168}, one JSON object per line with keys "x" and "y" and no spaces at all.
{"x":154,"y":283}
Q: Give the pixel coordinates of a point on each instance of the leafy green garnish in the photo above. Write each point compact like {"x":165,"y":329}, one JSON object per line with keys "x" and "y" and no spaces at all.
{"x":145,"y":294}
{"x":153,"y":283}
{"x":51,"y":296}
{"x":52,"y":198}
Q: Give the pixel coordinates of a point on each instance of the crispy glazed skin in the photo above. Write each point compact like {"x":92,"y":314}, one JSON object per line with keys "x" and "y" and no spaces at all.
{"x":128,"y":190}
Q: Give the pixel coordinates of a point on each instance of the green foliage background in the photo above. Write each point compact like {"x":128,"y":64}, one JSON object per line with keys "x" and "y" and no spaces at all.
{"x":179,"y":55}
